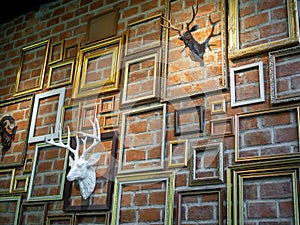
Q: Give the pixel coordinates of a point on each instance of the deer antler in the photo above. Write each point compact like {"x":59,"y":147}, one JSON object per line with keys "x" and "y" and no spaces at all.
{"x":194,"y":15}
{"x":171,"y":26}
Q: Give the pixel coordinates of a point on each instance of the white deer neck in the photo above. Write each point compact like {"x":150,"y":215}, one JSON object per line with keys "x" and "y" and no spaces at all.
{"x":87,"y":185}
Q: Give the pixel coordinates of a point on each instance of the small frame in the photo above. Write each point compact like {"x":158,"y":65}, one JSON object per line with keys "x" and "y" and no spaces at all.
{"x":256,"y":188}
{"x":10,"y":209}
{"x":138,"y":151}
{"x":33,"y":213}
{"x":34,"y":134}
{"x":222,"y":127}
{"x":28,"y":165}
{"x":143,"y":184}
{"x":189,"y":121}
{"x":110,"y":121}
{"x":206,"y":165}
{"x":284,"y":75}
{"x":254,"y":34}
{"x":21,"y":184}
{"x":17,"y":111}
{"x":247,"y":84}
{"x":61,"y":74}
{"x":141,"y":80}
{"x":107,"y":104}
{"x":7,"y":177}
{"x":93,"y":218}
{"x":56,"y":52}
{"x":218,"y":107}
{"x":31,"y":79}
{"x":178,"y":153}
{"x":101,"y":198}
{"x":87,"y":113}
{"x":205,"y":207}
{"x":49,"y":173}
{"x":98,"y":68}
{"x":59,"y":219}
{"x":70,"y":118}
{"x":71,"y":51}
{"x":267,"y":134}
{"x":143,"y":35}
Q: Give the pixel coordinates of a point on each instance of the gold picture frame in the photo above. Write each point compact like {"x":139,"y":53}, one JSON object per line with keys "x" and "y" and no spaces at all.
{"x":59,"y":58}
{"x":184,"y":155}
{"x":23,"y":189}
{"x":218,"y":107}
{"x":114,"y":118}
{"x":28,"y":165}
{"x":235,"y":49}
{"x":11,"y":175}
{"x":223,"y":130}
{"x":32,"y":49}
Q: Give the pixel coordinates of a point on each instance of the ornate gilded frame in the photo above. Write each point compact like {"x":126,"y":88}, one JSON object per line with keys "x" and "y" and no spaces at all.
{"x":185,"y":153}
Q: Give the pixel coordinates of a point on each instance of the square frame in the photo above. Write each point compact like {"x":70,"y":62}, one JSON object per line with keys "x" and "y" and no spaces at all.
{"x":234,"y":103}
{"x":168,"y":176}
{"x":83,"y":114}
{"x":113,"y":136}
{"x":163,"y":107}
{"x":11,"y":184}
{"x":61,"y":93}
{"x":233,"y":29}
{"x":177,"y":128}
{"x":214,"y":109}
{"x":44,"y":205}
{"x":45,"y":43}
{"x":193,"y":181}
{"x":16,"y":198}
{"x":219,"y":121}
{"x":185,"y":153}
{"x":21,"y":190}
{"x":105,"y":99}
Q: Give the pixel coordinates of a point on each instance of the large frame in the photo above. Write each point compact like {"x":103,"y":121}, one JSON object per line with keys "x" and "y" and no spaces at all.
{"x":286,"y":75}
{"x":146,"y":178}
{"x":233,"y":71}
{"x":34,"y":209}
{"x":158,"y":164}
{"x":235,"y":50}
{"x":238,"y":175}
{"x":206,"y":204}
{"x":54,"y":162}
{"x":15,"y":212}
{"x":61,"y":94}
{"x":32,"y":49}
{"x":89,"y":58}
{"x":21,"y":110}
{"x":93,"y":203}
{"x":267,"y":129}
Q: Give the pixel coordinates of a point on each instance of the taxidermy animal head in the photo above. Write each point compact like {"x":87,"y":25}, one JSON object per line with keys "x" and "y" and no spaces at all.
{"x":81,"y":167}
{"x":197,"y":49}
{"x":8,"y":130}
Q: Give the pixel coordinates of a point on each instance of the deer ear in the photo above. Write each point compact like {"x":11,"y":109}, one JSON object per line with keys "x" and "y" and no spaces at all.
{"x":93,"y":158}
{"x":194,"y":28}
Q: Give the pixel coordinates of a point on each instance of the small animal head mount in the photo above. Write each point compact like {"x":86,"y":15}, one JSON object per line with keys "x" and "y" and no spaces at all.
{"x":8,"y":130}
{"x":197,"y":49}
{"x":81,"y":167}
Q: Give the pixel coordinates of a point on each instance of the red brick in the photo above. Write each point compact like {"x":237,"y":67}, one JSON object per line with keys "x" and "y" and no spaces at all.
{"x":262,"y":210}
{"x":149,"y":215}
{"x":258,"y":138}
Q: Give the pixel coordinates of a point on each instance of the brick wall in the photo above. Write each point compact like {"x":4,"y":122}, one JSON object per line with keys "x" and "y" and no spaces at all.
{"x":160,"y":110}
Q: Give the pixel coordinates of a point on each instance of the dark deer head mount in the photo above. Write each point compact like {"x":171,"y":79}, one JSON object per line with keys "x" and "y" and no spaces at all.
{"x":197,"y":49}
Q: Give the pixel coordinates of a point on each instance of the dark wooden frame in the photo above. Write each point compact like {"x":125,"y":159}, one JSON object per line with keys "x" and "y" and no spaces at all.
{"x":43,"y":219}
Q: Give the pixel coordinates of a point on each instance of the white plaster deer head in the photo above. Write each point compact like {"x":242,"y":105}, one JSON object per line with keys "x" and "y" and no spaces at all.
{"x":81,"y":168}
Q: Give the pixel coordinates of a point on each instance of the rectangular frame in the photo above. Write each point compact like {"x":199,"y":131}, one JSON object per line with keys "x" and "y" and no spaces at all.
{"x":61,"y":93}
{"x":273,"y":78}
{"x":163,"y":107}
{"x":28,"y":166}
{"x":59,"y":196}
{"x":42,"y":218}
{"x":191,"y":193}
{"x":83,"y":114}
{"x":233,"y":29}
{"x":177,"y":129}
{"x":219,"y":121}
{"x":63,"y":113}
{"x":185,"y":153}
{"x":68,"y":49}
{"x":235,"y":191}
{"x":25,"y":188}
{"x":193,"y":181}
{"x":101,"y":104}
{"x":263,"y":112}
{"x":107,"y":136}
{"x":16,"y":198}
{"x":234,"y":103}
{"x":77,"y":215}
{"x":214,"y":109}
{"x":53,"y":218}
{"x":56,"y":66}
{"x":28,"y":116}
{"x":109,"y":116}
{"x":61,"y":51}
{"x":168,"y":176}
{"x":45,"y":43}
{"x":10,"y":189}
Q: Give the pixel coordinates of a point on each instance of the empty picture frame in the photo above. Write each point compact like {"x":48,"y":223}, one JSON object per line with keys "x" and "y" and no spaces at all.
{"x":222,"y":127}
{"x":28,"y":165}
{"x":284,"y":75}
{"x":252,"y":32}
{"x":92,"y":218}
{"x":56,"y":52}
{"x":158,"y":209}
{"x":206,"y":164}
{"x":101,"y":198}
{"x":110,"y":121}
{"x":189,"y":120}
{"x":59,"y":219}
{"x":31,"y":78}
{"x":98,"y":68}
{"x":87,"y":113}
{"x":218,"y":107}
{"x":48,"y":174}
{"x":70,"y":118}
{"x":17,"y":112}
{"x":178,"y":153}
{"x":38,"y":112}
{"x":33,"y":213}
{"x":256,"y":188}
{"x":247,"y":84}
{"x":7,"y":177}
{"x":107,"y":104}
{"x":10,"y":209}
{"x":21,"y":184}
